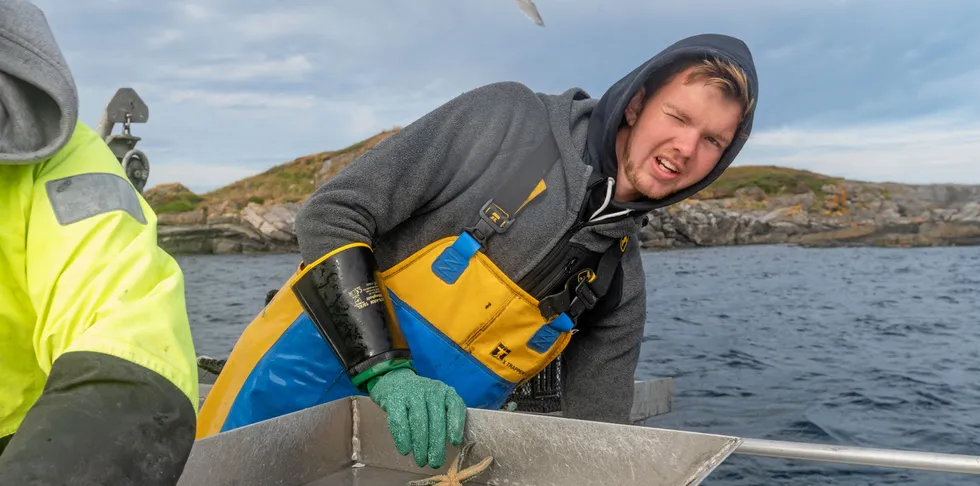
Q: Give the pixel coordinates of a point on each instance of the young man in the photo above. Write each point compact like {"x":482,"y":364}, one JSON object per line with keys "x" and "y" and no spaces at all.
{"x":458,"y":257}
{"x":97,"y":375}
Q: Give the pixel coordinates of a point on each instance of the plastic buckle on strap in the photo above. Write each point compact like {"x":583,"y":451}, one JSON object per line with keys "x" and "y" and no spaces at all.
{"x":548,"y":307}
{"x":584,"y":292}
{"x":495,"y":216}
{"x":585,"y":299}
{"x":493,"y":219}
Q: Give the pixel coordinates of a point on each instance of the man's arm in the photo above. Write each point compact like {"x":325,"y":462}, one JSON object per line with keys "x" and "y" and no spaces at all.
{"x":600,"y":361}
{"x":119,"y":405}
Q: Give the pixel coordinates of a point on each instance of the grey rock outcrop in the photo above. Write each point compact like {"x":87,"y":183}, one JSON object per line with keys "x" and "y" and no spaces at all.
{"x":845,"y":213}
{"x":274,"y":223}
{"x":256,"y":229}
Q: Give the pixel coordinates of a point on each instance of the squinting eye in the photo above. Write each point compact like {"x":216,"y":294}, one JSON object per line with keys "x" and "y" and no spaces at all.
{"x":715,"y":142}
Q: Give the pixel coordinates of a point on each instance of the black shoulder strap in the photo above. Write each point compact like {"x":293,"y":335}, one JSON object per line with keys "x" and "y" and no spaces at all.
{"x":583,"y":290}
{"x":499,"y":212}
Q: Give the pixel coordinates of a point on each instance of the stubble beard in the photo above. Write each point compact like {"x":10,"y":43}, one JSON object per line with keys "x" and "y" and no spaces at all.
{"x":632,"y":172}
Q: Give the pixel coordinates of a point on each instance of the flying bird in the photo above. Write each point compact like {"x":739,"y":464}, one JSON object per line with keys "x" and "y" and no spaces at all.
{"x":527,"y":6}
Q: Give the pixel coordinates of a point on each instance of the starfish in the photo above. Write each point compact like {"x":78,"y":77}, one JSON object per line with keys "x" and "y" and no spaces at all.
{"x":456,"y":475}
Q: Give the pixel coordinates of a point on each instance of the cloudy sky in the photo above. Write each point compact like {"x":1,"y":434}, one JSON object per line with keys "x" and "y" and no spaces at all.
{"x":866,"y":89}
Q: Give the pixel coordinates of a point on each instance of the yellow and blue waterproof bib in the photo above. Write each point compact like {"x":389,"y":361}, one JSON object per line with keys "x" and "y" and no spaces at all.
{"x":466,"y":323}
{"x":479,"y":333}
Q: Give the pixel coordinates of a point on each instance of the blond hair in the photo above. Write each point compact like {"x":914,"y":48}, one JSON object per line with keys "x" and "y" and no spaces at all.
{"x":726,"y":76}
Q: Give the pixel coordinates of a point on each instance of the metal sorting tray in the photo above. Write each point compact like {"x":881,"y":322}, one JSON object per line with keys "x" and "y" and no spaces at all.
{"x":347,"y":442}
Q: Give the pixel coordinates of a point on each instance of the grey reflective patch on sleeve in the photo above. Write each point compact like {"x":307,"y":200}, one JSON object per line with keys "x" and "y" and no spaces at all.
{"x":85,"y":195}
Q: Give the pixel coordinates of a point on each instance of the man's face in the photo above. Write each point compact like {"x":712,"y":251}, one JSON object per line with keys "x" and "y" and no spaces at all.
{"x":675,"y":140}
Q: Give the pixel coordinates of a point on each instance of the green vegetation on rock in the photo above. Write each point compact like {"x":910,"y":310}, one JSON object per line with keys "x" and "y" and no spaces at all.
{"x":178,"y":206}
{"x":172,"y":198}
{"x":291,"y":182}
{"x":772,"y":180}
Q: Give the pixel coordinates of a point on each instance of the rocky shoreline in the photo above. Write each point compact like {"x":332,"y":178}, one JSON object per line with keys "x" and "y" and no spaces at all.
{"x":253,"y":229}
{"x":842,"y":214}
{"x":845,"y":213}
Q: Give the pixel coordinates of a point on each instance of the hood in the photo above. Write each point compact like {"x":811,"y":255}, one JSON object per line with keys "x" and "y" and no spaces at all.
{"x":38,"y":98}
{"x":608,"y":114}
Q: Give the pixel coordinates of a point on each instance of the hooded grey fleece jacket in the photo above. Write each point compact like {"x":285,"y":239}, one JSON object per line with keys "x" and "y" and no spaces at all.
{"x":429,"y":181}
{"x":100,"y":419}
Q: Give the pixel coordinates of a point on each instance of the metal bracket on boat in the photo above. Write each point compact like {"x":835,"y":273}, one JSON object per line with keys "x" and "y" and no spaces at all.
{"x":126,"y":107}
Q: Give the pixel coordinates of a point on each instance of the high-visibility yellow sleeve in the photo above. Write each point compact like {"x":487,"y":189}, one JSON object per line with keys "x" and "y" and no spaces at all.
{"x":96,"y":276}
{"x":110,"y":331}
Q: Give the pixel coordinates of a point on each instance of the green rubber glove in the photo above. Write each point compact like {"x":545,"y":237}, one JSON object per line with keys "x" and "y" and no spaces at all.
{"x":422,"y":414}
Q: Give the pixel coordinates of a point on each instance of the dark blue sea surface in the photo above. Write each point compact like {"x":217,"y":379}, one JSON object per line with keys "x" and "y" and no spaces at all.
{"x":864,"y":347}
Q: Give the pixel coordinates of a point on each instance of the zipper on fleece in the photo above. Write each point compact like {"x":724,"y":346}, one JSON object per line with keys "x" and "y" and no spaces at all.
{"x":539,"y":281}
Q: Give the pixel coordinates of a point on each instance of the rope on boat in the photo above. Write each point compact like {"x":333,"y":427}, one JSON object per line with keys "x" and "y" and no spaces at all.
{"x":211,"y":365}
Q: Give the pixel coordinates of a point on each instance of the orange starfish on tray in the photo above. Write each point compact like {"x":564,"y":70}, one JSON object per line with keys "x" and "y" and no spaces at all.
{"x":456,"y":475}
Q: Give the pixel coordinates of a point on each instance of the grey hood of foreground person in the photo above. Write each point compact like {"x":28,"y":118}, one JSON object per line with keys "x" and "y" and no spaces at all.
{"x":429,"y":181}
{"x":38,"y":100}
{"x":101,"y":419}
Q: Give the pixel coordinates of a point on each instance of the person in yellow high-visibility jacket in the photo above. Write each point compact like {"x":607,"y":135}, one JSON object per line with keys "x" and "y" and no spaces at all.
{"x":98,"y":382}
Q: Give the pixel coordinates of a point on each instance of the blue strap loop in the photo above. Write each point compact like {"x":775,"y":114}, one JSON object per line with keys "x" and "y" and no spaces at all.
{"x":451,"y":264}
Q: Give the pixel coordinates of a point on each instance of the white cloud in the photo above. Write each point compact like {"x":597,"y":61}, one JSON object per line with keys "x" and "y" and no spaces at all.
{"x":941,"y":148}
{"x":249,"y":68}
{"x":272,"y":24}
{"x":195,"y":11}
{"x":165,"y":38}
{"x":368,"y":110}
{"x":242,"y":99}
